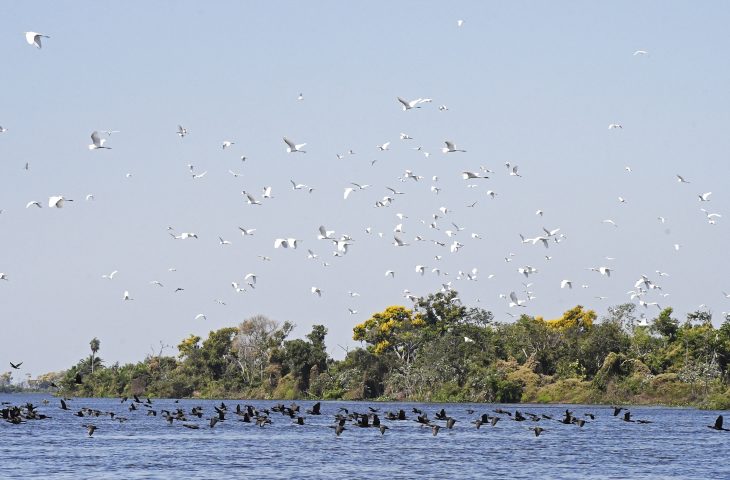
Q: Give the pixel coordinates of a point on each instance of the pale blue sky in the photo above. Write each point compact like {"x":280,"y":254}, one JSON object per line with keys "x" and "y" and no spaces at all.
{"x":535,"y":84}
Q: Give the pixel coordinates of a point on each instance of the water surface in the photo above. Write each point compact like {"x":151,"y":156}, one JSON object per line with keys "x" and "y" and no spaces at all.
{"x":676,"y":445}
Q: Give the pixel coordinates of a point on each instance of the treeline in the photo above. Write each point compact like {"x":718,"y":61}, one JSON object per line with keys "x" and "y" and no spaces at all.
{"x":439,"y":350}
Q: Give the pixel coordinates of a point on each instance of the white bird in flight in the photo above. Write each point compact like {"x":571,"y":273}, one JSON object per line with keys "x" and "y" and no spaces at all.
{"x":325,"y":234}
{"x":398,"y":242}
{"x":199,"y":316}
{"x":184,"y":235}
{"x":602,"y":270}
{"x":227,"y":143}
{"x":182,"y":131}
{"x":57,"y":201}
{"x":515,"y":301}
{"x":293,"y":147}
{"x":126,"y":296}
{"x":250,"y":198}
{"x":705,"y":197}
{"x":286,"y":243}
{"x":34,"y":38}
{"x":450,"y":148}
{"x":109,"y":276}
{"x":97,"y":142}
{"x":408,"y":105}
{"x":316,"y":291}
{"x":466,"y":175}
{"x":566,"y":283}
{"x":33,"y":203}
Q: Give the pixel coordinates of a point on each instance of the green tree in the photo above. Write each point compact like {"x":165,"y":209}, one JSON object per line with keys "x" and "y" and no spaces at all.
{"x":441,"y":311}
{"x":395,"y":330}
{"x":303,"y":358}
{"x":665,"y":325}
{"x":255,"y":338}
{"x":94,"y":345}
{"x":216,"y":351}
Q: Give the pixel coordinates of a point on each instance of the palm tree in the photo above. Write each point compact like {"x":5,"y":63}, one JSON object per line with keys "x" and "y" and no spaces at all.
{"x":94,"y":344}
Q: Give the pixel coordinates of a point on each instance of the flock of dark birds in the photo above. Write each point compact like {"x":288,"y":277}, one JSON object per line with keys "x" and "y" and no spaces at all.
{"x":343,"y":418}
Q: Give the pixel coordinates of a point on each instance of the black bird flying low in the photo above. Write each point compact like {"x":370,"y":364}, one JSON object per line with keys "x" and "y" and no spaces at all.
{"x":16,"y":365}
{"x":718,"y":425}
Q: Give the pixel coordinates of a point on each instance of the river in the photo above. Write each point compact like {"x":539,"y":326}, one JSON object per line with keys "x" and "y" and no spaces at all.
{"x":675,"y":445}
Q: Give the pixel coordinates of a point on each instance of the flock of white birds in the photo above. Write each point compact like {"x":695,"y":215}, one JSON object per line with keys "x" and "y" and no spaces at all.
{"x":448,"y":244}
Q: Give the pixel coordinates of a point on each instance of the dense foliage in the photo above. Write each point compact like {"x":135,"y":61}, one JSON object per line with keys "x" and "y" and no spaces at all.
{"x":439,"y":350}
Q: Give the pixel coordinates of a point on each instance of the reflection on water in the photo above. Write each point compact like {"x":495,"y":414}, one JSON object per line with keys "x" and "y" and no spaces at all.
{"x":677,"y":444}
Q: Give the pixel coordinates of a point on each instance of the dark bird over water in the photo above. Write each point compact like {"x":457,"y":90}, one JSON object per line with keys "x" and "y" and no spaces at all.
{"x":538,"y":431}
{"x":91,"y":429}
{"x":718,"y":425}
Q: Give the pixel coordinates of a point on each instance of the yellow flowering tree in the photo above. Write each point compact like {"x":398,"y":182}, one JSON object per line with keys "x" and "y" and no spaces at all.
{"x":395,"y":330}
{"x":574,"y":319}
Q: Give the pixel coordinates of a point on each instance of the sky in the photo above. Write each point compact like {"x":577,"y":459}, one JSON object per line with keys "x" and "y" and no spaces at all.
{"x":532,"y":84}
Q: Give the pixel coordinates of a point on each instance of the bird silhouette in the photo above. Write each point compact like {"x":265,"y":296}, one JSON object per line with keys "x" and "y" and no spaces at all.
{"x":718,"y":425}
{"x":16,"y":365}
